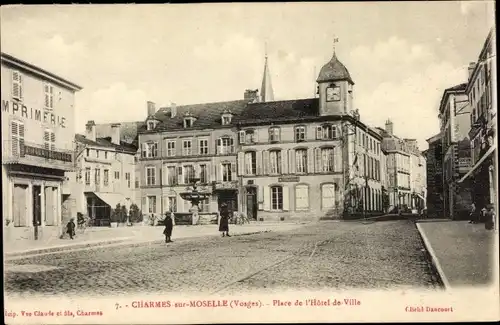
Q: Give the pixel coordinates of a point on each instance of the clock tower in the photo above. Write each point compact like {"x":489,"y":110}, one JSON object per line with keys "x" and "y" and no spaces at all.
{"x":335,"y":88}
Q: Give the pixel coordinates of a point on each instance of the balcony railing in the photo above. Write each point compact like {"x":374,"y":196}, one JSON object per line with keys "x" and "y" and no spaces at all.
{"x":28,"y":153}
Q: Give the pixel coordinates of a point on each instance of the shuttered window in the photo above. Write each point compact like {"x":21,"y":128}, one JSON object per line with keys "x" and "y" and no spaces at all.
{"x":17,"y":85}
{"x":301,"y":197}
{"x":328,"y":196}
{"x":276,"y":198}
{"x":250,"y":163}
{"x":49,"y":140}
{"x":17,"y":131}
{"x":301,"y":161}
{"x":275,"y":160}
{"x":49,"y":96}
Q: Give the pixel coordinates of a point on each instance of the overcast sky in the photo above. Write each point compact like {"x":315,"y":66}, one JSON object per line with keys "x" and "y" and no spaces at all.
{"x":400,"y":55}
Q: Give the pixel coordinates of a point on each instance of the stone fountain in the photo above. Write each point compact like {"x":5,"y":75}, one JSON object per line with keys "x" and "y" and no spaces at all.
{"x":195,"y":197}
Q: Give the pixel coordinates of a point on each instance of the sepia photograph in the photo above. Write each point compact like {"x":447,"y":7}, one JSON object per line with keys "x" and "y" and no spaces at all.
{"x":249,"y":162}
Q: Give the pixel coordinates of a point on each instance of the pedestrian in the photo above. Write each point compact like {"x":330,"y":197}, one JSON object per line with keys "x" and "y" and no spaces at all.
{"x":472,"y":213}
{"x":169,"y":226}
{"x":482,"y":216}
{"x":224,"y":221}
{"x":70,"y":228}
{"x":489,"y":218}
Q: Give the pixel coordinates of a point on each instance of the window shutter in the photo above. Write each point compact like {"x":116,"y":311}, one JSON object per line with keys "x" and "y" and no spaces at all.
{"x":144,"y":207}
{"x":217,"y":172}
{"x":284,"y":161}
{"x":256,"y":136}
{"x":233,"y":171}
{"x":180,"y":180}
{"x":242,"y":137}
{"x":337,"y":156}
{"x":231,"y":144}
{"x":317,"y":159}
{"x":164,"y":204}
{"x":291,"y":161}
{"x":219,"y":146}
{"x":267,"y":198}
{"x":265,"y":162}
{"x":286,"y":199}
{"x":310,"y":160}
{"x":144,"y":149}
{"x":319,"y":132}
{"x":260,"y":194}
{"x":15,"y":84}
{"x":258,"y":162}
{"x":241,"y":163}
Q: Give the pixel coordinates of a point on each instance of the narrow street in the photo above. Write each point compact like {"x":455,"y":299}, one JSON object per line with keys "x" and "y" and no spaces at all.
{"x":340,"y":255}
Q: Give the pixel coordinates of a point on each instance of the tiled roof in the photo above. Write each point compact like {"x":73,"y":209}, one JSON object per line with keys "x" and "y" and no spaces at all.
{"x":334,"y":70}
{"x":207,"y":115}
{"x":128,"y":130}
{"x":280,"y":110}
{"x":106,"y":142}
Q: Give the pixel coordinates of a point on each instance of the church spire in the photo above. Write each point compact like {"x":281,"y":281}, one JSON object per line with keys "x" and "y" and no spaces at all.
{"x":266,"y":91}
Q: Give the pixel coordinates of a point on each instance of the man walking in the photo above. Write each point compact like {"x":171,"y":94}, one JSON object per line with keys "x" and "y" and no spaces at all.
{"x":169,"y":226}
{"x":70,"y":228}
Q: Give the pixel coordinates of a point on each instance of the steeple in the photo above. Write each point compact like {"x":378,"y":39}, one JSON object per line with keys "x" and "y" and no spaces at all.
{"x":266,"y":92}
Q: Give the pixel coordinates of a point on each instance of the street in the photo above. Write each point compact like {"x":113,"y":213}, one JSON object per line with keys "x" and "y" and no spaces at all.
{"x":335,"y":255}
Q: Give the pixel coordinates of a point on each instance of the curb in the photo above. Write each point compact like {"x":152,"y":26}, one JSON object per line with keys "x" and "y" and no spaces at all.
{"x":432,"y":220}
{"x":66,"y":247}
{"x":132,"y":241}
{"x":434,"y":260}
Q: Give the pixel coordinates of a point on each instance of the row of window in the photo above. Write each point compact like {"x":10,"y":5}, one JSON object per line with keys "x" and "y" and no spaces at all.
{"x":182,"y":175}
{"x":17,"y":135}
{"x":97,"y":177}
{"x":17,"y":90}
{"x":371,"y":168}
{"x":367,"y":142}
{"x":298,"y":161}
{"x":323,"y":132}
{"x":368,"y":199}
{"x":170,"y":204}
{"x":223,"y":145}
{"x":97,"y":153}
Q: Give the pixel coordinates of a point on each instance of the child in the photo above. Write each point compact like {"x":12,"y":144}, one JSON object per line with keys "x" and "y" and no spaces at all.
{"x":169,"y":225}
{"x":70,"y":228}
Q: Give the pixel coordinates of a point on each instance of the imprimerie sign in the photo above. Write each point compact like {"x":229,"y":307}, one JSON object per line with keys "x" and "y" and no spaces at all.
{"x":19,"y":109}
{"x":45,"y":153}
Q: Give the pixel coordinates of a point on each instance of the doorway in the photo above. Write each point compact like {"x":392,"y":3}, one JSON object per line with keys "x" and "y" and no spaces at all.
{"x":251,"y":202}
{"x":37,"y":205}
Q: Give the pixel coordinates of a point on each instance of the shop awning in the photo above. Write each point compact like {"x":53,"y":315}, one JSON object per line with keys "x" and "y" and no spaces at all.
{"x":483,"y":158}
{"x":113,"y":199}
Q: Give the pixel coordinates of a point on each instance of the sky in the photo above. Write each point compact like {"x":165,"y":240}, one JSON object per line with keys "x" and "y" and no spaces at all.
{"x":401,"y":55}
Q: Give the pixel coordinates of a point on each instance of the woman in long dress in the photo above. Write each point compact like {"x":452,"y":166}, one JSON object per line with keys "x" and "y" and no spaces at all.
{"x":224,"y":221}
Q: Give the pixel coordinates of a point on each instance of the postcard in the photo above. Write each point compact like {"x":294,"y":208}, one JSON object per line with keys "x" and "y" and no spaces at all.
{"x":249,"y":163}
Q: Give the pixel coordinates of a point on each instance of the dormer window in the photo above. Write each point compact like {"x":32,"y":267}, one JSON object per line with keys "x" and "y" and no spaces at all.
{"x":226,"y":117}
{"x":151,"y":125}
{"x":189,"y":120}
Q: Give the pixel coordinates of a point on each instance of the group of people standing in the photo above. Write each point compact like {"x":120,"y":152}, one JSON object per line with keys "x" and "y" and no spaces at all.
{"x":486,"y":215}
{"x":223,"y":218}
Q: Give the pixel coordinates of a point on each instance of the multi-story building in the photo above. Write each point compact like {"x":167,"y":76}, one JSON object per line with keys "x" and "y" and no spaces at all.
{"x":435,"y":191}
{"x":38,"y":126}
{"x":311,"y":157}
{"x":418,"y":176}
{"x":104,"y":176}
{"x":179,"y":144}
{"x":482,"y":100}
{"x":454,"y":115}
{"x":398,"y":162}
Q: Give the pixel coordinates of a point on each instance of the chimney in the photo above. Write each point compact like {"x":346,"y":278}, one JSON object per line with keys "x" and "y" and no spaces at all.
{"x":173,"y":110}
{"x":90,"y":132}
{"x":151,"y":108}
{"x":251,"y":95}
{"x":115,"y":133}
{"x":389,"y":127}
{"x":471,"y":68}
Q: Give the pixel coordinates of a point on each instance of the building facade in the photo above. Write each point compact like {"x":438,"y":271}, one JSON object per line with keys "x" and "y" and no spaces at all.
{"x":37,"y":121}
{"x":181,"y":144}
{"x":454,"y":115}
{"x":482,"y":100}
{"x":104,"y":176}
{"x":434,"y":166}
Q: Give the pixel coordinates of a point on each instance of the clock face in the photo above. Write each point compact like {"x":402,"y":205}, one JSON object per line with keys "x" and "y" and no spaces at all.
{"x":332,"y":94}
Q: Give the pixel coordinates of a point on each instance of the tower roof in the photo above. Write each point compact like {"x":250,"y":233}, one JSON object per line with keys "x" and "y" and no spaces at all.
{"x":334,"y":70}
{"x":266,"y":91}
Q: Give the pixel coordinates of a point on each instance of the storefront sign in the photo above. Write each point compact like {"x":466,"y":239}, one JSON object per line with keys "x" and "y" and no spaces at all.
{"x":44,"y":153}
{"x":19,"y":109}
{"x":285,"y":179}
{"x":226,"y":186}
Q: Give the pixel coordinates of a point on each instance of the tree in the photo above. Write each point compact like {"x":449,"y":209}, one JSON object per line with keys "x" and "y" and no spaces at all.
{"x":135,"y":214}
{"x":123,"y":214}
{"x":116,"y":213}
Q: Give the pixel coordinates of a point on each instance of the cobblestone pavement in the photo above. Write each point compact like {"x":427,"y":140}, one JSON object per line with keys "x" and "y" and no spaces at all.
{"x":322,"y":255}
